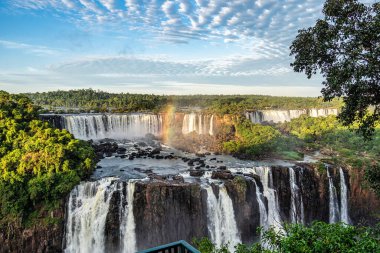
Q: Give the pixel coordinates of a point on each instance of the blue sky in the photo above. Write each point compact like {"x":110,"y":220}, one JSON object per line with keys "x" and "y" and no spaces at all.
{"x":155,"y":46}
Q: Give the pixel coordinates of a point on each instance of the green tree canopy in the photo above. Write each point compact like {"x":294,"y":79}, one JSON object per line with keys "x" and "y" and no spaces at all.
{"x":252,"y":140}
{"x":38,"y":164}
{"x":86,"y":100}
{"x":318,"y":237}
{"x":344,"y":47}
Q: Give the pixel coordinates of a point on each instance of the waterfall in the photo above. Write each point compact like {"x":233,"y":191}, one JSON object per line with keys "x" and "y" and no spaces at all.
{"x":344,"y":217}
{"x":333,"y":200}
{"x":296,"y":205}
{"x":221,"y":218}
{"x":189,"y":123}
{"x":211,"y":130}
{"x":128,"y":225}
{"x":199,"y":123}
{"x":274,"y":116}
{"x":115,"y":126}
{"x":277,"y":116}
{"x":274,"y":218}
{"x":262,"y":209}
{"x":322,"y":112}
{"x":255,"y":117}
{"x":87,"y":211}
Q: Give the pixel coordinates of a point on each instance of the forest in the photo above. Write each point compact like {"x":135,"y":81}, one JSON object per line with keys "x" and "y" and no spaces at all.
{"x":89,"y":100}
{"x":39,"y":165}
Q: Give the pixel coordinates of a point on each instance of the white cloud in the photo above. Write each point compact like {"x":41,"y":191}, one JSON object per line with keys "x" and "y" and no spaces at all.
{"x":182,"y":20}
{"x":109,"y":4}
{"x":34,"y":49}
{"x":162,"y":75}
{"x":260,"y":31}
{"x":236,"y":66}
{"x":69,"y":4}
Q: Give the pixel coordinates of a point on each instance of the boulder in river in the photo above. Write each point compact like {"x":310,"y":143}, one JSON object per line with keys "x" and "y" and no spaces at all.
{"x":225,"y":174}
{"x":197,"y":173}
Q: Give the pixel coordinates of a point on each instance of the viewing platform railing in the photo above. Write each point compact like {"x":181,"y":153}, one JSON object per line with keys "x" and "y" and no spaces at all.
{"x":174,"y":247}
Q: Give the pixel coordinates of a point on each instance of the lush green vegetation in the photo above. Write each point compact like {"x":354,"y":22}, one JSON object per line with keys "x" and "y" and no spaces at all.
{"x":87,"y":100}
{"x":319,"y":237}
{"x":240,"y":104}
{"x":252,"y":140}
{"x":344,"y":47}
{"x":291,"y":140}
{"x":98,"y":101}
{"x":343,"y":146}
{"x":39,"y":165}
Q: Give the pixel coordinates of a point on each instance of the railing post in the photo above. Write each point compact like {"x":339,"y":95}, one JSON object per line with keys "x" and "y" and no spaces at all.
{"x":175,"y":247}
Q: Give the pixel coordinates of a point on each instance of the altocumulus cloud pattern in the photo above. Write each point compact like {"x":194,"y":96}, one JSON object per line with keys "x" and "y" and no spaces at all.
{"x":182,"y":44}
{"x":181,"y":20}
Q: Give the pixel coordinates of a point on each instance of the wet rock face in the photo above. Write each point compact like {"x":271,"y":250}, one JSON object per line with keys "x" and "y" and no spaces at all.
{"x":165,"y":213}
{"x":364,"y":205}
{"x":242,"y":191}
{"x":55,"y":120}
{"x":167,"y":209}
{"x":222,"y":174}
{"x":39,"y":238}
{"x":112,"y":227}
{"x":281,"y":183}
{"x":197,"y":173}
{"x":107,"y":149}
{"x":315,"y":193}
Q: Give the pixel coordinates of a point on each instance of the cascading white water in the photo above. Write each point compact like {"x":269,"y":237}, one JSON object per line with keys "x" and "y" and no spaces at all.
{"x":274,"y":116}
{"x":344,"y":217}
{"x":115,"y":126}
{"x":262,"y":209}
{"x":128,"y":225}
{"x":277,"y":116}
{"x":221,"y":218}
{"x":333,"y":200}
{"x":189,"y":123}
{"x":211,"y":130}
{"x":87,"y":211}
{"x":296,"y":205}
{"x":322,"y":112}
{"x":199,"y":123}
{"x":274,"y":218}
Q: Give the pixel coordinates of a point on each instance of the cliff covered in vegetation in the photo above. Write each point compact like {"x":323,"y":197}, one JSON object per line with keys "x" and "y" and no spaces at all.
{"x":39,"y":166}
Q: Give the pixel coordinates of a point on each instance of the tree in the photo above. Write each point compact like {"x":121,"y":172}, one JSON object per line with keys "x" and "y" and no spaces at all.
{"x":252,"y":140}
{"x":39,"y":165}
{"x":344,"y":47}
{"x":318,"y":237}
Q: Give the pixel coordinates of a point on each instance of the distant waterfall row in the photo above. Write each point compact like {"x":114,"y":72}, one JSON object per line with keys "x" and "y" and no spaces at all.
{"x":127,"y":126}
{"x":135,"y":125}
{"x":199,"y":123}
{"x":101,"y":216}
{"x":277,"y":116}
{"x":115,"y":126}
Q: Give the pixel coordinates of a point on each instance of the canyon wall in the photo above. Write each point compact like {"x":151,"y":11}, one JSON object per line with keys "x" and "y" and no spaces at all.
{"x":113,"y":215}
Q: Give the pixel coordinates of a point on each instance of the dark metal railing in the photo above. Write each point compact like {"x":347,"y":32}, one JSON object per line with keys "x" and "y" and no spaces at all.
{"x":174,"y":247}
